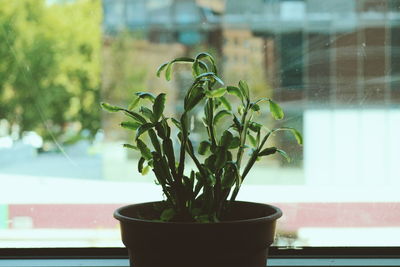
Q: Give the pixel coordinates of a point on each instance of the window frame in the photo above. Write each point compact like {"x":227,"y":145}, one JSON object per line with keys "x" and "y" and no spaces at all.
{"x":279,"y":256}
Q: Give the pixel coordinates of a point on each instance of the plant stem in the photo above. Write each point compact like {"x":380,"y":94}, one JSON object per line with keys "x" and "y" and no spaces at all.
{"x":210,"y":103}
{"x":242,"y":137}
{"x":253,"y":157}
{"x":217,"y":191}
{"x":179,"y":178}
{"x":196,"y":161}
{"x":250,"y":163}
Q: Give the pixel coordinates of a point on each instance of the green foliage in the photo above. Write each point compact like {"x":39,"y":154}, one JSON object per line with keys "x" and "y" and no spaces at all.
{"x":50,"y":65}
{"x":122,"y":76}
{"x":205,"y":194}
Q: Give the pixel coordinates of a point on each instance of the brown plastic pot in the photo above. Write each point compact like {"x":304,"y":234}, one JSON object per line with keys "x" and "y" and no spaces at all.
{"x":242,"y":240}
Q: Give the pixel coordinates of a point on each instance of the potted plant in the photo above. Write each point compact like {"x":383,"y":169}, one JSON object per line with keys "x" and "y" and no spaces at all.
{"x":199,"y":223}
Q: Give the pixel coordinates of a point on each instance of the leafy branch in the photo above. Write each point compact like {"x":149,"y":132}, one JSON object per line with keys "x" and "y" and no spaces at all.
{"x":201,"y":194}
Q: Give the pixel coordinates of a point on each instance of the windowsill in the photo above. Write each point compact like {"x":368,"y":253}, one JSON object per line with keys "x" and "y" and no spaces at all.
{"x":116,"y":257}
{"x":125,"y":263}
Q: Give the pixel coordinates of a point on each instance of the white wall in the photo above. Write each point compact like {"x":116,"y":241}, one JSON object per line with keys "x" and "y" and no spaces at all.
{"x":352,"y":147}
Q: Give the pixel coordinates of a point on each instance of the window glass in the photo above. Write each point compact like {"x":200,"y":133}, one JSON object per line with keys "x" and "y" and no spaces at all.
{"x":333,"y":66}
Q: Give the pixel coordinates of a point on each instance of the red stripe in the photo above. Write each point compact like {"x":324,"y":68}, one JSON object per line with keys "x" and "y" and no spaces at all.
{"x":296,"y":215}
{"x":339,"y":215}
{"x":67,"y":215}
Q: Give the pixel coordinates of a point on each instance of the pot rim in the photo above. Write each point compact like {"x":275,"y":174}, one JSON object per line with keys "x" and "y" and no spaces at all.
{"x":274,"y":216}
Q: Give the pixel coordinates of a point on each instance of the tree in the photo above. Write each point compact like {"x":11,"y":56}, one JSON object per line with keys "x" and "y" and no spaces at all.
{"x":50,"y":65}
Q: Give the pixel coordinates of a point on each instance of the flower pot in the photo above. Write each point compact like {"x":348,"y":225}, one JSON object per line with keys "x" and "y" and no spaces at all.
{"x":242,"y":239}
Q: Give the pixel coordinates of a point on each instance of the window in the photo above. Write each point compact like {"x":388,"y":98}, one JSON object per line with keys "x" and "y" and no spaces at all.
{"x":334,"y":67}
{"x":292,"y":10}
{"x":291,"y":60}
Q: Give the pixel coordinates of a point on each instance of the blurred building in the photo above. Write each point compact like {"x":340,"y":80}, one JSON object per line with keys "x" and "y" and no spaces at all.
{"x":184,"y":21}
{"x":314,"y":52}
{"x":327,"y":56}
{"x":243,"y":54}
{"x":215,"y":5}
{"x":328,"y":52}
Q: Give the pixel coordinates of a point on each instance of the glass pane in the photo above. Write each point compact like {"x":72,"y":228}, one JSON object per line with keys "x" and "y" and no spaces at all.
{"x":334,"y":66}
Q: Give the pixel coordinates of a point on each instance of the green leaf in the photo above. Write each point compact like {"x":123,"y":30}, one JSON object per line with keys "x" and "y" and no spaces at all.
{"x":146,"y":170}
{"x":296,"y":134}
{"x":147,"y":113}
{"x":235,"y":143}
{"x":204,"y":218}
{"x":185,"y":123}
{"x":168,"y":71}
{"x":210,"y":58}
{"x":142,"y":129}
{"x":168,"y":66}
{"x":154,"y":140}
{"x":255,"y":107}
{"x":183,"y":59}
{"x":161,"y":68}
{"x":237,"y":124}
{"x":202,"y":55}
{"x":203,"y":147}
{"x":130,"y":146}
{"x":231,"y":175}
{"x":144,"y":150}
{"x":276,"y":110}
{"x":229,"y":155}
{"x":196,"y":69}
{"x":130,"y":125}
{"x":221,"y":158}
{"x":216,"y":93}
{"x":167,"y":214}
{"x":240,"y":109}
{"x":204,"y":121}
{"x":169,"y":152}
{"x":210,"y":162}
{"x":136,"y":116}
{"x":203,"y":66}
{"x":167,"y":129}
{"x":226,"y":139}
{"x":163,"y":129}
{"x":196,"y":211}
{"x":146,"y":95}
{"x":284,"y":154}
{"x":207,"y":112}
{"x":245,"y":89}
{"x":254,"y":126}
{"x":210,"y":180}
{"x":140,"y":164}
{"x":233,"y":90}
{"x":267,"y":151}
{"x":252,"y":140}
{"x":209,"y":75}
{"x":177,"y":123}
{"x":220,"y":114}
{"x":158,"y":106}
{"x":194,"y":97}
{"x":110,"y":108}
{"x":225,"y":103}
{"x":160,"y":130}
{"x":134,"y":103}
{"x":199,"y":184}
